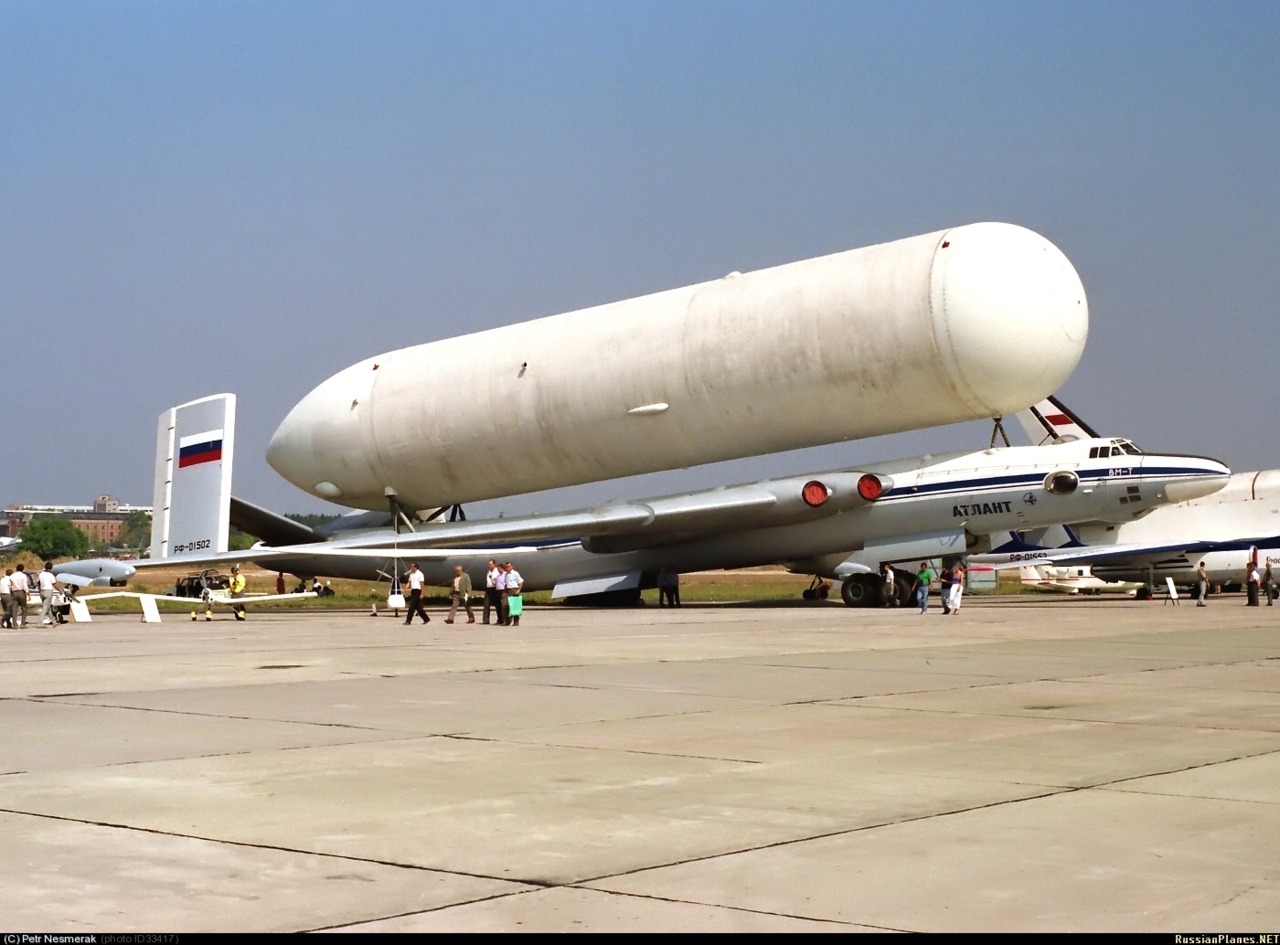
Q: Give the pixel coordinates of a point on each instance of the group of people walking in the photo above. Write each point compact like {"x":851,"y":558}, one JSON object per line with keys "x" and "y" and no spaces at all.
{"x":950,"y":579}
{"x":950,"y":582}
{"x":503,"y":598}
{"x":16,"y":587}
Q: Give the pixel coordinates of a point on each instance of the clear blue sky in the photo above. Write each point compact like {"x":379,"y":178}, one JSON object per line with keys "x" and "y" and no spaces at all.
{"x":207,"y":196}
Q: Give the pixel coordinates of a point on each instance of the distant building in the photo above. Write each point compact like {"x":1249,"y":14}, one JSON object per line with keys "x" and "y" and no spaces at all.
{"x":102,"y":521}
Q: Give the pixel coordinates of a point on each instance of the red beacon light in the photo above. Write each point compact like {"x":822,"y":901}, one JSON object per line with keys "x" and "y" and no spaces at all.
{"x":814,"y":493}
{"x":870,"y":487}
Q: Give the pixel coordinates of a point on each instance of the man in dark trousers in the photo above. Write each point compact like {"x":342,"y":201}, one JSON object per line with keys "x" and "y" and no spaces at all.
{"x":492,"y":596}
{"x":417,"y":580}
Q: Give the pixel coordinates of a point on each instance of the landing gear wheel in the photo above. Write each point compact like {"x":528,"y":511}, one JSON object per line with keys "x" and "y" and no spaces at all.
{"x":859,"y":590}
{"x":904,"y":591}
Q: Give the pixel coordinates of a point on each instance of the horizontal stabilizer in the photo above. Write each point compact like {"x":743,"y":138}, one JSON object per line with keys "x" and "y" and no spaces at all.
{"x":1088,"y":554}
{"x":269,"y":526}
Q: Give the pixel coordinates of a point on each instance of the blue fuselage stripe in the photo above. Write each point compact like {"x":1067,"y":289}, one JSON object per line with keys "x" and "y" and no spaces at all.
{"x":1027,"y":480}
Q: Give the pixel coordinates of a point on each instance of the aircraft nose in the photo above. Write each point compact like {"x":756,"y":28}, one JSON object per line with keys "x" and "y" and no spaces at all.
{"x":323,"y":446}
{"x":1191,"y":477}
{"x":289,"y":453}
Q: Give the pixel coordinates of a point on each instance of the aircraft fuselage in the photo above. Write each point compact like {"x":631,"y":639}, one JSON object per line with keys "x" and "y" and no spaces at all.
{"x":938,"y":500}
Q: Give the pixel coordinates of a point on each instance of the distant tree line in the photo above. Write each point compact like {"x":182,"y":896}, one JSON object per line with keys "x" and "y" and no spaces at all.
{"x":312,"y":519}
{"x":53,"y":537}
{"x":136,"y":531}
{"x":50,"y":536}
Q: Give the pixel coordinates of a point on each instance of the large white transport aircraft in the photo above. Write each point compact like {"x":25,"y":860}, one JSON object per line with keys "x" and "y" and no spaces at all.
{"x":804,"y":354}
{"x":911,"y":508}
{"x":918,"y":332}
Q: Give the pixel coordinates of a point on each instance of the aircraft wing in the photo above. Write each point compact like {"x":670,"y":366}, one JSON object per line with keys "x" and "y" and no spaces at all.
{"x":612,"y":527}
{"x":216,"y":597}
{"x":1134,"y":551}
{"x":221,"y":597}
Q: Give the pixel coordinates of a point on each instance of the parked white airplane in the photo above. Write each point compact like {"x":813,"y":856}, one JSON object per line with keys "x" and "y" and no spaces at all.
{"x":1226,"y":529}
{"x":919,"y":332}
{"x":1072,"y":580}
{"x":920,"y":507}
{"x":203,"y":606}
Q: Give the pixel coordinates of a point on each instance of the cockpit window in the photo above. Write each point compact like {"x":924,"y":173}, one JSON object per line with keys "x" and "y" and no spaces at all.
{"x":1125,"y":446}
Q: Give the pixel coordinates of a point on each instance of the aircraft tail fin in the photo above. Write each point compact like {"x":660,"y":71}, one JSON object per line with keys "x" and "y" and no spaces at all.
{"x":1015,"y":543}
{"x":1073,"y":540}
{"x":1040,"y":539}
{"x":1051,"y":422}
{"x":1031,"y":575}
{"x":195,"y":445}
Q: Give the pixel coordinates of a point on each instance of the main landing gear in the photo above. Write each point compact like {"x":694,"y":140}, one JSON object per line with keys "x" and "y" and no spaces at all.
{"x":867,"y":590}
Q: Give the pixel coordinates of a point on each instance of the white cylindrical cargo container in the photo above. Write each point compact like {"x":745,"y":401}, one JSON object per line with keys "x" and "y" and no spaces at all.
{"x":971,"y":322}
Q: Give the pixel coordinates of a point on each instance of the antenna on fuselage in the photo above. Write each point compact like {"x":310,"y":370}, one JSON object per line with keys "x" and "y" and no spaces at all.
{"x":397,"y":510}
{"x":998,"y":428}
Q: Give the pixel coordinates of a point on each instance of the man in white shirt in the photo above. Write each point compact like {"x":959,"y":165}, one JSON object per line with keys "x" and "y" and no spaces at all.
{"x":492,"y":596}
{"x":4,"y":598}
{"x":513,"y":585}
{"x":417,"y":581}
{"x":500,"y":585}
{"x":46,"y":583}
{"x":18,"y":588}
